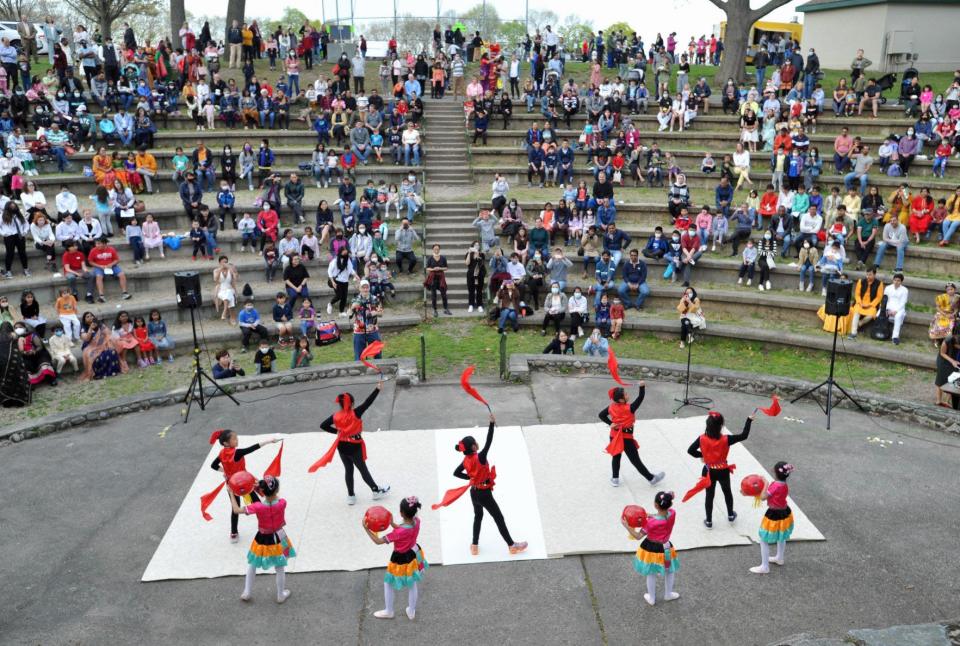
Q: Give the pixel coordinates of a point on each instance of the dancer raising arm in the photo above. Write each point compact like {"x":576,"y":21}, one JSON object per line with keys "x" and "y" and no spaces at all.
{"x":712,"y":447}
{"x":232,"y":460}
{"x":407,"y":562}
{"x":777,"y":524}
{"x":620,"y":416}
{"x":348,"y":427}
{"x":656,"y":554}
{"x":477,"y":469}
{"x":271,"y":547}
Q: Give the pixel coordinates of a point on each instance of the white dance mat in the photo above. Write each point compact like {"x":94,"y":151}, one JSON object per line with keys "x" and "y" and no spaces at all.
{"x":553,"y":487}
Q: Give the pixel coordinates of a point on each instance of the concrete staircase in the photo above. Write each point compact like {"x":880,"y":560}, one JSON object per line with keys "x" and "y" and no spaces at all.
{"x":449,"y":224}
{"x":445,"y":145}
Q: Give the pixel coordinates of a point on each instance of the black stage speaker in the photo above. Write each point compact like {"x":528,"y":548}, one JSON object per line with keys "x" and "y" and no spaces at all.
{"x":188,"y":289}
{"x":839,"y":294}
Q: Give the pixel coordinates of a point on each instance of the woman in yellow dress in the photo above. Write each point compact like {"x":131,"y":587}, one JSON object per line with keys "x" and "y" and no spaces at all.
{"x":103,"y":168}
{"x":948,"y":306}
{"x":899,"y":205}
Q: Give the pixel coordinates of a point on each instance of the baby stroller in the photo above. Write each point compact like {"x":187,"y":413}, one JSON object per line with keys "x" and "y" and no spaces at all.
{"x":886,"y":82}
{"x":906,"y":94}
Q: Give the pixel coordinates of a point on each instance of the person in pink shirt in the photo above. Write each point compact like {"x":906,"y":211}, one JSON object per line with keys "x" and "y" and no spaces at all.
{"x":777,"y":524}
{"x":704,"y":221}
{"x":407,"y":562}
{"x":271,"y":547}
{"x":656,"y":554}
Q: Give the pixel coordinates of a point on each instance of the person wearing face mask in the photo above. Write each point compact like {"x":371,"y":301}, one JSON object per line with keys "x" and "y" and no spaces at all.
{"x":249,"y":321}
{"x":361,"y":245}
{"x":766,"y":258}
{"x":436,"y":280}
{"x":555,"y":310}
{"x":339,"y":273}
{"x":691,"y":315}
{"x":476,"y":262}
{"x":577,"y":308}
{"x":908,"y":148}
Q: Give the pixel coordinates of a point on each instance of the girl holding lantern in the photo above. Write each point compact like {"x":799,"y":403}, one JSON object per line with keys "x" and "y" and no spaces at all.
{"x":232,"y":460}
{"x":712,"y":447}
{"x":270,"y":547}
{"x":777,"y":524}
{"x":407,"y":562}
{"x":656,"y":555}
{"x":620,"y":416}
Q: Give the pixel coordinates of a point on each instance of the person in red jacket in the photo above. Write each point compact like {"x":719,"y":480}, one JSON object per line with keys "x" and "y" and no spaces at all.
{"x":712,"y":447}
{"x":232,"y":460}
{"x":768,"y":206}
{"x":620,"y":416}
{"x":268,"y":223}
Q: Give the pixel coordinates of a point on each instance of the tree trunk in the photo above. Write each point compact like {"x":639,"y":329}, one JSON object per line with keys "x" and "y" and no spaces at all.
{"x":739,"y":21}
{"x":178,"y":16}
{"x":235,"y":11}
{"x":106,"y":26}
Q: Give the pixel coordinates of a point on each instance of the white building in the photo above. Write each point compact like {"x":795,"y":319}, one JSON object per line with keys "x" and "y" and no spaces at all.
{"x":892,"y":33}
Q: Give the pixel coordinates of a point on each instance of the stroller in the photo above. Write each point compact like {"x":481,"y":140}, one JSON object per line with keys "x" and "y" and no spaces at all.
{"x":886,"y":82}
{"x":905,"y":92}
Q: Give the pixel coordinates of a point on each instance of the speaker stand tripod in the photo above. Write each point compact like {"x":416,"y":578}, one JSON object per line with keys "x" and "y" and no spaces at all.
{"x":697,"y":402}
{"x":195,"y":391}
{"x":829,"y":382}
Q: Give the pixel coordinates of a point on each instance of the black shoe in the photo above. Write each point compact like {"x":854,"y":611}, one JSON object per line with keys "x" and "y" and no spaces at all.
{"x":101,"y":299}
{"x":447,"y":312}
{"x":708,"y":523}
{"x":732,"y":517}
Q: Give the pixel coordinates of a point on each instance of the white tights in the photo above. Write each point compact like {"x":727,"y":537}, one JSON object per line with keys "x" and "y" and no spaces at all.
{"x":389,"y":593}
{"x":667,"y":585}
{"x":765,"y":553}
{"x":252,"y":573}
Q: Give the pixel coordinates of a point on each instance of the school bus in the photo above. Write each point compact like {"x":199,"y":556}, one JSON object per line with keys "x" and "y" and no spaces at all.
{"x":760,"y":28}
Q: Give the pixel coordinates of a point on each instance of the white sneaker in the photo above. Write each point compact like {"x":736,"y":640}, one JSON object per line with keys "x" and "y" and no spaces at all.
{"x":768,"y":284}
{"x":383,"y":614}
{"x":480,"y":308}
{"x":713,"y":248}
{"x":760,"y":287}
{"x":657,"y":478}
{"x":344,"y":315}
{"x":760,"y":569}
{"x":810,"y":288}
{"x":671,"y":596}
{"x":650,"y":600}
{"x":245,"y":597}
{"x":329,"y":308}
{"x":411,"y":614}
{"x":615,"y":482}
{"x":749,"y":282}
{"x":470,"y":309}
{"x":351,"y":500}
{"x":773,"y":559}
{"x":283,"y":597}
{"x":740,"y":281}
{"x":802,"y":287}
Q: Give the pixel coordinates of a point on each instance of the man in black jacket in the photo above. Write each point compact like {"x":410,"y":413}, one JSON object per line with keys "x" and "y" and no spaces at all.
{"x":129,"y":40}
{"x":811,"y":73}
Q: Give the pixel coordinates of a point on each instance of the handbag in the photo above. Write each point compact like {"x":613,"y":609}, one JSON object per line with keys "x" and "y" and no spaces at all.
{"x":580,"y":251}
{"x":771,"y":263}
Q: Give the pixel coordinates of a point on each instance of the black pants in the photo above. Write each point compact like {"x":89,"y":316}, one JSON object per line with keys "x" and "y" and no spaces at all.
{"x":410,"y":257}
{"x":576,"y":322}
{"x":738,"y":236}
{"x":352,"y":456}
{"x":556,"y":319}
{"x":483,"y":499}
{"x":433,"y":296}
{"x":340,"y":294}
{"x":764,"y":270}
{"x":498,"y":203}
{"x":721,"y":477}
{"x":653,"y":254}
{"x":15,"y":244}
{"x":234,"y":517}
{"x":475,"y":291}
{"x":358,"y":84}
{"x":633,"y":456}
{"x":747,"y":270}
{"x":539,"y":172}
{"x":246,"y":332}
{"x":864,"y":252}
{"x":514,"y":87}
{"x":480,"y":134}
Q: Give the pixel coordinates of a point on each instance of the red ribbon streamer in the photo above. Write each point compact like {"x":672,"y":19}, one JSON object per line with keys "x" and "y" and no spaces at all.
{"x":371,"y":350}
{"x":450,"y":496}
{"x":470,"y":390}
{"x":774,"y":409}
{"x":614,"y":367}
{"x":207,"y":499}
{"x":701,"y":484}
{"x":274,"y":468}
{"x":326,"y":458}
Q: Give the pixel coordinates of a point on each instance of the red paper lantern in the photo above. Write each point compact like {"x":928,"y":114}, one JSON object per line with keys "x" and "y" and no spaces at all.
{"x":378,"y":518}
{"x":241,"y":483}
{"x":635,"y":515}
{"x":752,"y":485}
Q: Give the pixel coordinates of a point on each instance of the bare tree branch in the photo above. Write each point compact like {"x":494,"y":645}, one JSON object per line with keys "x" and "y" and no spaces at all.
{"x":721,"y":4}
{"x":760,"y":12}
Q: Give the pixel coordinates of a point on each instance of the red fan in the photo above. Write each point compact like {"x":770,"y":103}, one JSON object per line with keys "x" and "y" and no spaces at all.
{"x":377,"y":518}
{"x":241,"y":483}
{"x":774,"y":409}
{"x":635,"y":515}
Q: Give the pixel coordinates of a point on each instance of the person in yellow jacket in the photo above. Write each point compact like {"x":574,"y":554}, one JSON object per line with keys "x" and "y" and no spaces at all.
{"x":867,"y":294}
{"x":146,"y":167}
{"x":899,"y":205}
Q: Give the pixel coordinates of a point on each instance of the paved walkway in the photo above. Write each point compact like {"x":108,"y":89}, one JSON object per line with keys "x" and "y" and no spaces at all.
{"x":84,"y":510}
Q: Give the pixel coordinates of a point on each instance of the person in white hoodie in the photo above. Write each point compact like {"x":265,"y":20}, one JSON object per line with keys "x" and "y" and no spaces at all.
{"x":897,"y":296}
{"x":67,"y":205}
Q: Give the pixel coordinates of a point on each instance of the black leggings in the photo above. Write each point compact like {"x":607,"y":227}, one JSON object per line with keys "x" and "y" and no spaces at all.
{"x":721,"y":476}
{"x":633,"y":456}
{"x":15,"y":245}
{"x":483,"y":499}
{"x":443,"y":296}
{"x":352,"y":456}
{"x":340,"y":294}
{"x":234,"y":517}
{"x":475,"y":291}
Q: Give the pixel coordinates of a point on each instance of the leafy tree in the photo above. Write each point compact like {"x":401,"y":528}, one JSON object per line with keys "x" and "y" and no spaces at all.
{"x":574,"y":31}
{"x":622,"y":27}
{"x":540,"y":19}
{"x":512,"y":33}
{"x":485,"y":20}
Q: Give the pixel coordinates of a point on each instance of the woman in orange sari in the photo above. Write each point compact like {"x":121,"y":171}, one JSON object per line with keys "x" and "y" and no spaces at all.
{"x":103,"y":168}
{"x":119,"y":172}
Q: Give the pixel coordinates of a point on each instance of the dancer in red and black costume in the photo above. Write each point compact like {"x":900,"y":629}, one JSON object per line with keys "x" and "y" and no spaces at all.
{"x":232,"y":460}
{"x":348,"y":427}
{"x":620,"y":416}
{"x":482,"y":476}
{"x":712,"y":447}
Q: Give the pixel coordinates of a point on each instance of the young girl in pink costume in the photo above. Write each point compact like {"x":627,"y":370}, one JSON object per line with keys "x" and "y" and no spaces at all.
{"x":656,"y":555}
{"x":271,"y":547}
{"x":777,"y":524}
{"x":407,"y":562}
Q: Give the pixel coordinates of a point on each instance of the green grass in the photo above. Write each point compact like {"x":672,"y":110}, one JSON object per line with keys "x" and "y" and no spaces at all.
{"x":452,"y":345}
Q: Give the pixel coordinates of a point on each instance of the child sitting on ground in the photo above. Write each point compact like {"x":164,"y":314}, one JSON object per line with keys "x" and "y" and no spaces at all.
{"x":264,"y":357}
{"x":301,"y":356}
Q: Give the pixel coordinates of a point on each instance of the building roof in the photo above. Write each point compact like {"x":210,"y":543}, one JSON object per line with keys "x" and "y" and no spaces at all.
{"x":825,"y":5}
